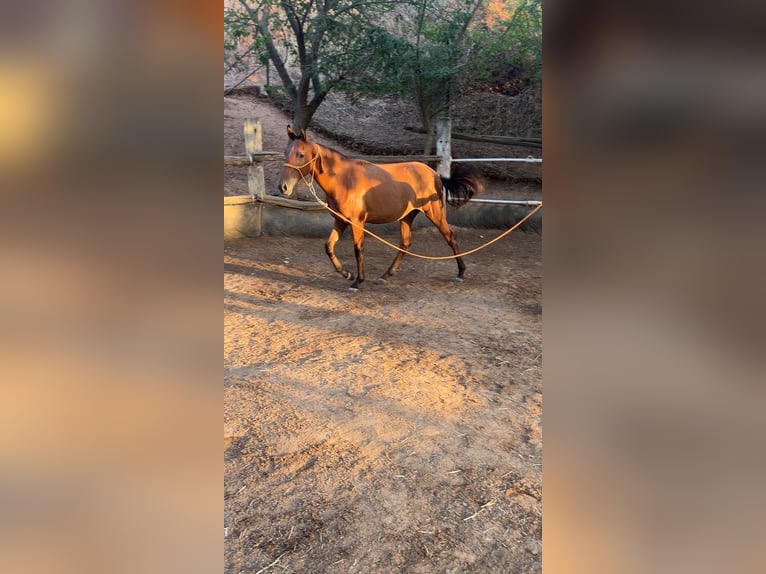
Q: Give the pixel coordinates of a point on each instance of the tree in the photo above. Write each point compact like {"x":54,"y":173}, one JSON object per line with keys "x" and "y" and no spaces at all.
{"x":316,"y":46}
{"x":421,"y":56}
{"x":511,"y":48}
{"x":447,"y":47}
{"x":440,"y":53}
{"x":430,"y":51}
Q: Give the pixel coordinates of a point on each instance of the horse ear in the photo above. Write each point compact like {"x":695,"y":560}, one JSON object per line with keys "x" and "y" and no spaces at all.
{"x":303,"y":135}
{"x":290,"y":133}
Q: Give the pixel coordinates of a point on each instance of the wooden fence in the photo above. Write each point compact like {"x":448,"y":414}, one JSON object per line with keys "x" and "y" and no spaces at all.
{"x":244,"y":214}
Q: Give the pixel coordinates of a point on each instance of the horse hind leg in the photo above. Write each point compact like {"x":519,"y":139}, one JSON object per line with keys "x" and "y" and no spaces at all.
{"x":337,"y":231}
{"x":439,"y":218}
{"x":405,"y":232}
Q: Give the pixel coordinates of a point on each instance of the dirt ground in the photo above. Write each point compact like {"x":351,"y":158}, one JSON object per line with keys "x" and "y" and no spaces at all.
{"x":396,"y":429}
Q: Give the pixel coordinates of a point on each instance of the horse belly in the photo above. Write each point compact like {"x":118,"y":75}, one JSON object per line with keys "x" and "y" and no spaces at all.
{"x":388,"y":206}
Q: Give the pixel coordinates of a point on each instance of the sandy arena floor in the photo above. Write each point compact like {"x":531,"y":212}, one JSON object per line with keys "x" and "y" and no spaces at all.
{"x":397,"y":429}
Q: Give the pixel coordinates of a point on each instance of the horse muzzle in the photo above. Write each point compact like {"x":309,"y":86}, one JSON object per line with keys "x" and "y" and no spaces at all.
{"x":286,"y":185}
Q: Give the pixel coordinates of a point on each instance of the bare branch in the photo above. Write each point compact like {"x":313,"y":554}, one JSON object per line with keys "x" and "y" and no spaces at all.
{"x":259,"y":19}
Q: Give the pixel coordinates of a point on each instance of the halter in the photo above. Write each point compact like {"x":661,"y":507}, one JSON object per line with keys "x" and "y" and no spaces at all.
{"x":312,"y":171}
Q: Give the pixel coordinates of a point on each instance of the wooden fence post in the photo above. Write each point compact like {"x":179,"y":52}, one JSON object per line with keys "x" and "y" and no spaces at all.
{"x":255,"y":179}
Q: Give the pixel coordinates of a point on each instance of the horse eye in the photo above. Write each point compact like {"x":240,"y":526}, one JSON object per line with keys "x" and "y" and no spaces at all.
{"x":300,"y":156}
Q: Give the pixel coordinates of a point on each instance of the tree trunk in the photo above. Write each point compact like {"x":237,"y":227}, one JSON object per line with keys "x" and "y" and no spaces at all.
{"x":301,"y":117}
{"x":426,"y":120}
{"x":428,"y":147}
{"x":305,"y":110}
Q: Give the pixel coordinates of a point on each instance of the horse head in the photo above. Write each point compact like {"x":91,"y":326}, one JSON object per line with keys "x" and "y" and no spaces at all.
{"x":303,"y":160}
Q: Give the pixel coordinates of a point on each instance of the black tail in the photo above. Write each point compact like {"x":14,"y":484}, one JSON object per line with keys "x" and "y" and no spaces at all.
{"x":462,"y":185}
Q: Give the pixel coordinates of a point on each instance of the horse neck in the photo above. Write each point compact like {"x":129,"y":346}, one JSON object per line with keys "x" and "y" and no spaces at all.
{"x":332,"y":166}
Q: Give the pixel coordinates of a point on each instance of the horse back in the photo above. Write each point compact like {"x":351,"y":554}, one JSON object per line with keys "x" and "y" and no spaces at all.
{"x":421,"y":179}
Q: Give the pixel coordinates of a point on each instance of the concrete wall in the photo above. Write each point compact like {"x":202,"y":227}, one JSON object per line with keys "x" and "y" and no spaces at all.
{"x":244,"y":218}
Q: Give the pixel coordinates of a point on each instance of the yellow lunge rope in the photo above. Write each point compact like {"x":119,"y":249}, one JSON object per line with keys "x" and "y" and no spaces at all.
{"x":310,"y":185}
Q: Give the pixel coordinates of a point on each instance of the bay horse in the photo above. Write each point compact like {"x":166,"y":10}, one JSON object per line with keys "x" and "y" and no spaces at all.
{"x":365,"y":192}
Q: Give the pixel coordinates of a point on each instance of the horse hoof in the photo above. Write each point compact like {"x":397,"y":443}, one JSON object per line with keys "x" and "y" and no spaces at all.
{"x":352,"y":289}
{"x":381,"y":280}
{"x":457,"y":280}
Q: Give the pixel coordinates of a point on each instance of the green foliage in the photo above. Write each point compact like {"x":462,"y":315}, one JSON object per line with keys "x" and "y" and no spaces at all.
{"x":512,"y":51}
{"x":527,"y":36}
{"x":237,"y":27}
{"x":427,"y":50}
{"x":440,"y":49}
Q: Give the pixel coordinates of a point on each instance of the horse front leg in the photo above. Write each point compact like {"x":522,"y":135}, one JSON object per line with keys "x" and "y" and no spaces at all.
{"x":358,"y":231}
{"x":329,"y":247}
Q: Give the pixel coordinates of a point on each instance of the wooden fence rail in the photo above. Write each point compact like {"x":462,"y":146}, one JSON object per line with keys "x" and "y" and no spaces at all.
{"x":503,"y":140}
